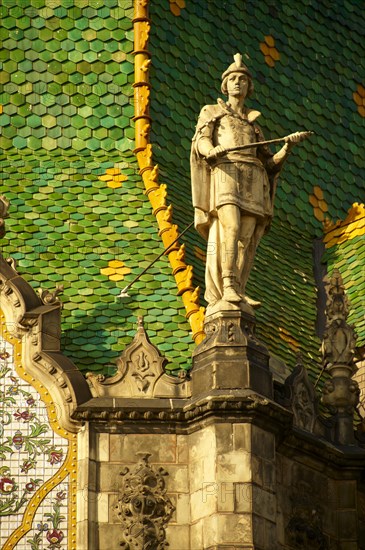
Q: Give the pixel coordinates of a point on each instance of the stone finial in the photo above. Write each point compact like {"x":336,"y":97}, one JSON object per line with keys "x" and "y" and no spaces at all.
{"x":339,"y":339}
{"x":144,"y":509}
{"x":340,"y":392}
{"x":301,"y":397}
{"x":4,"y":205}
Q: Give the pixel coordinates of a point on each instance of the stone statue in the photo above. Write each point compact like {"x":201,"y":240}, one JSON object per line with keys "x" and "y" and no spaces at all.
{"x":233,"y":188}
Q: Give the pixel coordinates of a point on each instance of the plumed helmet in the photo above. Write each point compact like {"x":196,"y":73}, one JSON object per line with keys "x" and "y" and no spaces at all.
{"x":236,"y":67}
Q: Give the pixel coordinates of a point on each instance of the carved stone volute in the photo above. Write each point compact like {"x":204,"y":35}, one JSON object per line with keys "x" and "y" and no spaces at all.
{"x":341,"y":392}
{"x":144,"y":509}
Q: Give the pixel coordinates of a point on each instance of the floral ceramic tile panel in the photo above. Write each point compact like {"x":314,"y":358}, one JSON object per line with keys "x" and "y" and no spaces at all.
{"x":30,"y":451}
{"x":49,"y":528}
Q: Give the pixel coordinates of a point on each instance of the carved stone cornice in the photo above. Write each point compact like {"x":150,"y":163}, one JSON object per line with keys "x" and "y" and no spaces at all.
{"x":183,"y":415}
{"x":324,"y":456}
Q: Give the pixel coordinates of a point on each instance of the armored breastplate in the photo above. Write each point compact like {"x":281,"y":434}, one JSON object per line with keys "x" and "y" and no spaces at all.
{"x":233,"y":131}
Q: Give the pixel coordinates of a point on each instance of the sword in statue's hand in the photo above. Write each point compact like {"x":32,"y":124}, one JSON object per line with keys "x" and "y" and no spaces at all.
{"x":296,"y":137}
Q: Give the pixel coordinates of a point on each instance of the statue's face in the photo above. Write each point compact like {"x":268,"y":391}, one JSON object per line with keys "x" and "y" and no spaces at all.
{"x":237,"y":84}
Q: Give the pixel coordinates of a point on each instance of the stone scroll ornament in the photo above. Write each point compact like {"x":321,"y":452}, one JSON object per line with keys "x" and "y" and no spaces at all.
{"x":144,"y":509}
{"x":234,"y":176}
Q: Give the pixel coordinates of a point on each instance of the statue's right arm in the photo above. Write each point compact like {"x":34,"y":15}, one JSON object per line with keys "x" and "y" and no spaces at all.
{"x":204,"y":132}
{"x":207,"y":149}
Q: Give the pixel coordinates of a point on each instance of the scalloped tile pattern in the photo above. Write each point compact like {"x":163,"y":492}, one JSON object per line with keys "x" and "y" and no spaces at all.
{"x":308,"y":67}
{"x":78,"y":213}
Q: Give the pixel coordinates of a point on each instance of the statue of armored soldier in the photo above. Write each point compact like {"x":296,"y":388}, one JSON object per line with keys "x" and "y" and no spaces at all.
{"x":233,"y":188}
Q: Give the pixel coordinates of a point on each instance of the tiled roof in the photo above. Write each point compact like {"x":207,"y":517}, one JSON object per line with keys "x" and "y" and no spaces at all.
{"x":79,"y":215}
{"x":308,"y":68}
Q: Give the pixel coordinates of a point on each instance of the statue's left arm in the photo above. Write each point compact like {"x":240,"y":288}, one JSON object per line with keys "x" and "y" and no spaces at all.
{"x":274,"y":162}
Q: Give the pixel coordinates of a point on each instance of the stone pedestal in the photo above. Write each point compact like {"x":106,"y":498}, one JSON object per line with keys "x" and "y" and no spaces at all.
{"x":231,"y":357}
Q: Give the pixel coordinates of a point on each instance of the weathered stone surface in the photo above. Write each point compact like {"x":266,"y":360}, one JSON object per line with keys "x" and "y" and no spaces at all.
{"x":108,"y":537}
{"x":234,"y":467}
{"x":123,"y":448}
{"x":230,"y":362}
{"x":203,"y":502}
{"x":178,"y":537}
{"x":196,"y":535}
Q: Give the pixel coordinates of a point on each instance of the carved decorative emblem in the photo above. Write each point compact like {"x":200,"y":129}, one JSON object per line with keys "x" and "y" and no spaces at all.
{"x":142,"y":371}
{"x":140,"y":374}
{"x":144,"y":509}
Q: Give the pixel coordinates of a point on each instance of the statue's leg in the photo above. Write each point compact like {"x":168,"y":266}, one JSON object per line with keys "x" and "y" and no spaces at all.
{"x":229,"y":218}
{"x":246,"y":236}
{"x":249,"y":254}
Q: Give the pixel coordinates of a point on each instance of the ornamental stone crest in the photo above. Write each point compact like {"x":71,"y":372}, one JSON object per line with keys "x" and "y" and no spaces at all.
{"x":144,"y":509}
{"x":140,"y":373}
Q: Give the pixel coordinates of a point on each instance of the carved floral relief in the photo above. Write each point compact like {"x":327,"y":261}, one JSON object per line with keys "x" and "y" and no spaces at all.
{"x":144,"y":508}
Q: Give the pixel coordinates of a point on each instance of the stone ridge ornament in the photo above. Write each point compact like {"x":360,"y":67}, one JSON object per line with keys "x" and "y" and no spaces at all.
{"x":340,"y":393}
{"x":144,"y":508}
{"x":234,"y":177}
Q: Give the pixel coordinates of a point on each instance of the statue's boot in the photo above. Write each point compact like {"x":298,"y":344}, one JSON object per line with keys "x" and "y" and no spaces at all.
{"x":229,"y":292}
{"x":251,"y":302}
